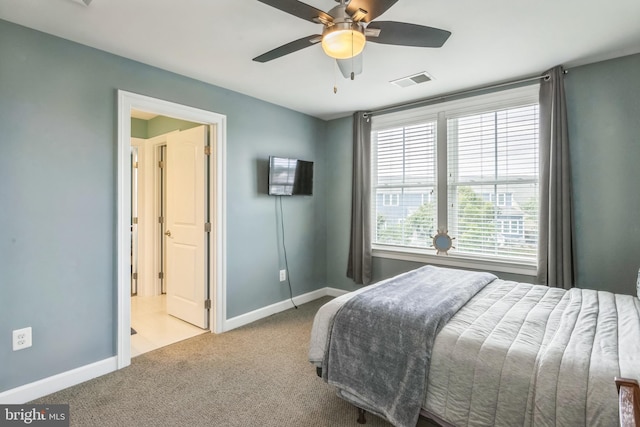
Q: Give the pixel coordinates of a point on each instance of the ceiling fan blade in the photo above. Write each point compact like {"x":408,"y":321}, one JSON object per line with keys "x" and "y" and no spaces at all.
{"x":299,"y":9}
{"x":350,"y":65}
{"x":288,"y":48}
{"x":374,"y":8}
{"x":404,"y":34}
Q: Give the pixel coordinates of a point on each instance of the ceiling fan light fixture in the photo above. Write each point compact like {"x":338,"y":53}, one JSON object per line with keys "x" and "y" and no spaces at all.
{"x":343,"y":40}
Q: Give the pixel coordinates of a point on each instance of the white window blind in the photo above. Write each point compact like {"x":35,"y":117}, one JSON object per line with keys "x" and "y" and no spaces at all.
{"x":487,"y":178}
{"x":493,"y":182}
{"x":405,"y":164}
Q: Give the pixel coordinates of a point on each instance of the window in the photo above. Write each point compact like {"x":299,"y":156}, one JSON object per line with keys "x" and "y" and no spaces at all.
{"x":390,"y":199}
{"x":469,"y":167}
{"x":405,"y":165}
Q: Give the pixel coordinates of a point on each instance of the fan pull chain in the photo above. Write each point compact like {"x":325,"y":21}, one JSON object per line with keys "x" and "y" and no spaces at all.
{"x":353,"y":75}
{"x":335,"y":79}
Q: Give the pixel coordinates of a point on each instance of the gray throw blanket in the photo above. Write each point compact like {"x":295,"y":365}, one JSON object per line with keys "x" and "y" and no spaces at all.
{"x":379,"y":349}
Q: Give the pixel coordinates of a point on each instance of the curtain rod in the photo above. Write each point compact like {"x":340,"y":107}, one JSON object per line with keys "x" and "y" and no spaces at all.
{"x":451,"y":95}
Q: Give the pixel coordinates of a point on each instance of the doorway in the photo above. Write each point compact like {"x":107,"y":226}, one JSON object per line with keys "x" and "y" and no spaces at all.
{"x":169,"y":298}
{"x":214,"y":247}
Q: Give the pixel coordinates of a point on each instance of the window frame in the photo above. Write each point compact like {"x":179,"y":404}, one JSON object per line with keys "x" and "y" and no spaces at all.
{"x":440,"y":112}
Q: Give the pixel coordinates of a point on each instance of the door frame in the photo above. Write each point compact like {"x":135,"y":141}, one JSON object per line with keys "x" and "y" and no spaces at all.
{"x":217,"y":202}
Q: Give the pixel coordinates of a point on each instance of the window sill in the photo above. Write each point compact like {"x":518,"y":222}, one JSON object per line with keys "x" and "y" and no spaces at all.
{"x":452,"y":260}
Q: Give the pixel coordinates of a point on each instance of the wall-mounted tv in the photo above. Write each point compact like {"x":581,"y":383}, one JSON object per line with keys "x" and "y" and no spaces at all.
{"x":290,"y":177}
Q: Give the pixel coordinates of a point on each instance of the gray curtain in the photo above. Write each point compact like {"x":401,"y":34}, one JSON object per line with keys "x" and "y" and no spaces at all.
{"x":555,"y":250}
{"x":359,"y":265}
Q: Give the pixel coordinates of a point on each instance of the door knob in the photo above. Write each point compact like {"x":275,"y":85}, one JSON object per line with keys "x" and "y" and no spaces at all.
{"x":167,"y":233}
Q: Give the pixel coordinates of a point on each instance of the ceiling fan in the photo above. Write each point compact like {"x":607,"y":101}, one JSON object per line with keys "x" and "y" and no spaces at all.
{"x":346,"y":29}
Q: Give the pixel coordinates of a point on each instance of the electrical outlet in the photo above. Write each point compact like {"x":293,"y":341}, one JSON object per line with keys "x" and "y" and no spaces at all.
{"x":21,"y":338}
{"x":283,"y":275}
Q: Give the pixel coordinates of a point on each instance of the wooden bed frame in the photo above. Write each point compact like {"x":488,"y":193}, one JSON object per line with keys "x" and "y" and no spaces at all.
{"x":629,"y":397}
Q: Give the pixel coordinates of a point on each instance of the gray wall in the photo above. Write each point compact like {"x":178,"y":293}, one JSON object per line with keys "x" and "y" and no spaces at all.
{"x":339,"y":160}
{"x":58,"y":115}
{"x":604,"y":130}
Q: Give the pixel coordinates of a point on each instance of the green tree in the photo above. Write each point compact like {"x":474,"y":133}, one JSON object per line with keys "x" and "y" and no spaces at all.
{"x":476,"y":220}
{"x":530,"y":209}
{"x":388,"y":233}
{"x":421,"y":224}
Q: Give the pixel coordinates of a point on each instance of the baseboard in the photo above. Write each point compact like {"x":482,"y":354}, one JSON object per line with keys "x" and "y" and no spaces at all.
{"x":37,"y":389}
{"x":261,"y":313}
{"x":333,"y":292}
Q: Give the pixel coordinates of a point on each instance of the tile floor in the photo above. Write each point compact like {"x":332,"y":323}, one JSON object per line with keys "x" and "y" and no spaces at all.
{"x":154,"y":327}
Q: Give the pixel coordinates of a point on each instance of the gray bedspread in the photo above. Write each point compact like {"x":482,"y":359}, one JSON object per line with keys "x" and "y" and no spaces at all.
{"x":380,"y":342}
{"x":527,"y":355}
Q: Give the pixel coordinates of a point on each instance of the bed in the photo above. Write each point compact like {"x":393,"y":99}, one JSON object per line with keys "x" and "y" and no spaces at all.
{"x":499,"y":352}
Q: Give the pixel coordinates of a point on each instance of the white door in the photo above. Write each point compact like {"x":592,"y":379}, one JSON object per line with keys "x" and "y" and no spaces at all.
{"x":185,"y":221}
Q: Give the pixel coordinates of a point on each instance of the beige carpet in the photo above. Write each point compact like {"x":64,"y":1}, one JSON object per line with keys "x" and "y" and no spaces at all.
{"x":257,"y":375}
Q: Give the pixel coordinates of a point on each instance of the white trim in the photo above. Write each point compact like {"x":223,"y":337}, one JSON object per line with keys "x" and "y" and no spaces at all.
{"x":52,"y":384}
{"x":123,"y":340}
{"x":261,"y":313}
{"x":153,"y":146}
{"x":455,"y":108}
{"x":417,"y":255}
{"x":217,"y":209}
{"x":128,"y":101}
{"x":334,"y":292}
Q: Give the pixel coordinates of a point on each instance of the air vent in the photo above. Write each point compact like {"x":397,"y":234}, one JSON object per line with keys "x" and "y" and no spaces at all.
{"x":412,"y":80}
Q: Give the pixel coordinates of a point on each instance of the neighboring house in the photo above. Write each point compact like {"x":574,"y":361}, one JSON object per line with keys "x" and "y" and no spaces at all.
{"x":510,"y":218}
{"x":394,"y":206}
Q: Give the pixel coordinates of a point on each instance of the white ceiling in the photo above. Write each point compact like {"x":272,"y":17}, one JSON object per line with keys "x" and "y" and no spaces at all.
{"x":215,"y":40}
